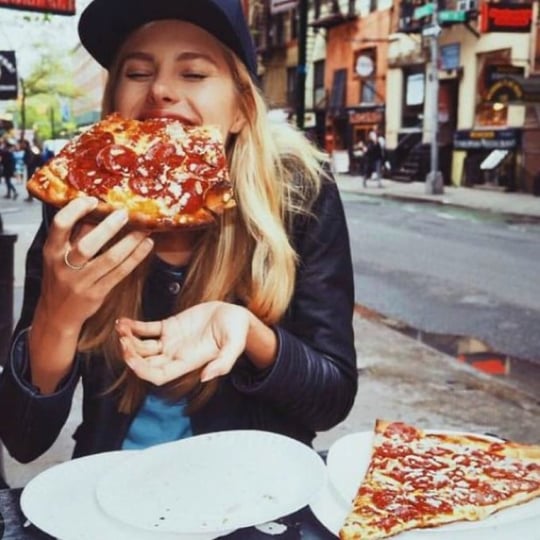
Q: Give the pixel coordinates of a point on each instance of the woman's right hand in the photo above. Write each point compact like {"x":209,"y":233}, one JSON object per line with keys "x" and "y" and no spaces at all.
{"x":78,"y":274}
{"x":73,"y":293}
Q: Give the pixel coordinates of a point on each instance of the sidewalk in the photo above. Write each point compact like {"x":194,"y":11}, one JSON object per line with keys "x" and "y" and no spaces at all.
{"x":512,"y":204}
{"x":399,"y":378}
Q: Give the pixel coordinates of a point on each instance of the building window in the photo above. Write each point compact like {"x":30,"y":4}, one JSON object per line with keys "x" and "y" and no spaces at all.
{"x":319,"y":92}
{"x":338,"y":95}
{"x":291,"y":86}
{"x":414,"y":81}
{"x":491,"y":112}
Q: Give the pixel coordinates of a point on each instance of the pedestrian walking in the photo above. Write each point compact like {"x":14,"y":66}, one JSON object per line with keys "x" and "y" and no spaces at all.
{"x":374,"y":160}
{"x":8,"y":169}
{"x":32,"y":160}
{"x":246,"y":324}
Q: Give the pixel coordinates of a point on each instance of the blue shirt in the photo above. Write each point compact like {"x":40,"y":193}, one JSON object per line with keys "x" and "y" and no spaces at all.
{"x":158,"y":421}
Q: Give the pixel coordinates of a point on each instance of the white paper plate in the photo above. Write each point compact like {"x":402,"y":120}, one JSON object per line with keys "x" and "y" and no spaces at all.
{"x":347,"y":462}
{"x":213,"y":483}
{"x":61,"y":502}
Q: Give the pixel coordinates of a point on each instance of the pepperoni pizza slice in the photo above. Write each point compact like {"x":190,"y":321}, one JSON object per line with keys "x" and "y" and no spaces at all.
{"x":417,"y":480}
{"x":166,"y":174}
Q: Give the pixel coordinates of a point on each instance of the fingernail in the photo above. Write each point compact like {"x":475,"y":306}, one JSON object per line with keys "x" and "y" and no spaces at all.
{"x":92,"y":201}
{"x":207,"y":376}
{"x":119,"y":216}
{"x":132,"y":364}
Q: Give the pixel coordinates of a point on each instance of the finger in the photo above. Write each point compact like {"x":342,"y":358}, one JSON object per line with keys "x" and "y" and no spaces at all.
{"x":67,"y":217}
{"x":147,"y":347}
{"x":158,"y":370}
{"x":119,"y":261}
{"x":141,"y":328}
{"x":223,"y":363}
{"x":89,"y":245}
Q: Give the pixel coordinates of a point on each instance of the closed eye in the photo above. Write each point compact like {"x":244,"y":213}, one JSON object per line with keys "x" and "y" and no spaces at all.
{"x":193,"y":75}
{"x":138,"y":75}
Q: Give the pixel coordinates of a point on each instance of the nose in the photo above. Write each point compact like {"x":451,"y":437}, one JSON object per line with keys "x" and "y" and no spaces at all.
{"x":163,"y":90}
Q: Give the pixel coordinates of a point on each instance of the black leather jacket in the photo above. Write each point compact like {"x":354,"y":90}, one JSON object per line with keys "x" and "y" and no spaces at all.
{"x":310,"y":388}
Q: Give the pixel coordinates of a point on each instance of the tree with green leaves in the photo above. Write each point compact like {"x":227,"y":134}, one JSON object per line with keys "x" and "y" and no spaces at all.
{"x":43,"y":97}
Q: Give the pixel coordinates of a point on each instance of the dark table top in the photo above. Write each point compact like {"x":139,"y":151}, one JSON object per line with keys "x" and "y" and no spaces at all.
{"x":301,"y":525}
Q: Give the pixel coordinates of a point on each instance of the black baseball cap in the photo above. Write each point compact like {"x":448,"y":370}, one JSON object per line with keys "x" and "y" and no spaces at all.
{"x":105,"y":24}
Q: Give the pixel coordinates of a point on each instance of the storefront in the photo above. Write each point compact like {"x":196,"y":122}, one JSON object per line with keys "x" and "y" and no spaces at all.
{"x":491,"y":157}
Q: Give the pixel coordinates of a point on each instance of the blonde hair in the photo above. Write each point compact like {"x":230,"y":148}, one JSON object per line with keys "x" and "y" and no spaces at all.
{"x":246,"y":257}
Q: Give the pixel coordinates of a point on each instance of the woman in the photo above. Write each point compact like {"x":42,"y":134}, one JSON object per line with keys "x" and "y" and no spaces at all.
{"x":245,"y":325}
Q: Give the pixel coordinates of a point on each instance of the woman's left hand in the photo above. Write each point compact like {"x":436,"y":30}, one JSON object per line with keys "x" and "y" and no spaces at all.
{"x":209,"y":336}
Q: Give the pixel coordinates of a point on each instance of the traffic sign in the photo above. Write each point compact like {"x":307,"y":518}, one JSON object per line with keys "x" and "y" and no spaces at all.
{"x":433,"y":30}
{"x":423,"y":11}
{"x":451,"y":16}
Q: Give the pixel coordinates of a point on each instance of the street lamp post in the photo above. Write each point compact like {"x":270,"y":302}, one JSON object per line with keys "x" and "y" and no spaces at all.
{"x":301,"y":69}
{"x":434,"y":179}
{"x":23,"y":107}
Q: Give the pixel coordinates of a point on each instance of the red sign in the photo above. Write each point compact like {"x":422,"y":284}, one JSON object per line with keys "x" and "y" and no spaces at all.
{"x":506,"y":17}
{"x":58,"y":7}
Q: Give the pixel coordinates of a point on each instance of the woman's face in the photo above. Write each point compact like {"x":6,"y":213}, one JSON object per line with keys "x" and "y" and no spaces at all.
{"x":175,"y":69}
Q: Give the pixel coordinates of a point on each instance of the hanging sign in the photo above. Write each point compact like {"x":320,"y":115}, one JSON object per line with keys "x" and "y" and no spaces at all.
{"x":57,"y":7}
{"x":277,"y":6}
{"x":506,"y":17}
{"x":8,"y":75}
{"x":364,"y":66}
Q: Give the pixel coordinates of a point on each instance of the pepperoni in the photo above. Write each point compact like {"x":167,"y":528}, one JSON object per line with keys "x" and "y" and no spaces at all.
{"x":439,"y":451}
{"x":421,"y":462}
{"x":483,"y":495}
{"x":426,"y":505}
{"x":117,"y":158}
{"x":402,"y":431}
{"x":160,"y":152}
{"x":77,"y":178}
{"x":497,"y":472}
{"x":98,"y":139}
{"x":145,"y":186}
{"x":406,"y":512}
{"x":387,"y":450}
{"x":102,"y":183}
{"x":496,"y":447}
{"x":192,"y":196}
{"x":387,"y":523}
{"x":522,"y":485}
{"x":383,"y":498}
{"x":91,"y":181}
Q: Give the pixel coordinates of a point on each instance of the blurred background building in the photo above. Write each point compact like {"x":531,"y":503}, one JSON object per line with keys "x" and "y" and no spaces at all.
{"x":368,"y":66}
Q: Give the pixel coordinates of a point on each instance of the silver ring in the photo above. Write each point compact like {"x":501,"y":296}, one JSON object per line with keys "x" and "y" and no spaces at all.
{"x":70,"y":264}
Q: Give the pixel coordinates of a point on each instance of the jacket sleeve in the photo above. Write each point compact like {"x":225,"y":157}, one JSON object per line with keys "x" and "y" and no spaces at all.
{"x":314,"y":378}
{"x":29,"y":421}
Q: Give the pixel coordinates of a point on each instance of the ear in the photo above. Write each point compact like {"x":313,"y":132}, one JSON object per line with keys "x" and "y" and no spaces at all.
{"x":239,"y":122}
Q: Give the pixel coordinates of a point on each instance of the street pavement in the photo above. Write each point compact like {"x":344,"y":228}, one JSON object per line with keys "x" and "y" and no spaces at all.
{"x":399,"y":378}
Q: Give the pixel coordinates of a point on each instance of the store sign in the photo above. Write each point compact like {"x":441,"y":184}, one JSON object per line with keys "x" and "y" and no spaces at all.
{"x":506,"y":17}
{"x":505,"y":90}
{"x":8,"y":75}
{"x":367,"y":117}
{"x":507,"y":83}
{"x":486,"y":139}
{"x":278,"y":6}
{"x":450,"y":56}
{"x":58,"y":7}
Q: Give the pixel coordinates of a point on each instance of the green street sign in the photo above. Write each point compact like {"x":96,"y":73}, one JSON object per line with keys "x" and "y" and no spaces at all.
{"x":423,"y":11}
{"x":448,"y":16}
